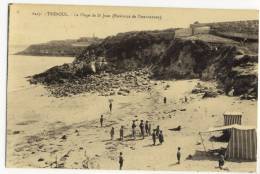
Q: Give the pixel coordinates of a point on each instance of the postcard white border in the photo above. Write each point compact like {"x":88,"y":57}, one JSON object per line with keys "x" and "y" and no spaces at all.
{"x":221,"y":4}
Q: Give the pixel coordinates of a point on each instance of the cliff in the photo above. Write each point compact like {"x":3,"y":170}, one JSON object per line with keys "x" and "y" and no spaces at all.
{"x":169,"y":54}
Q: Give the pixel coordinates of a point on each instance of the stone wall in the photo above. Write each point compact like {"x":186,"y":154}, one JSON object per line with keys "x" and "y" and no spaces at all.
{"x":183,"y":32}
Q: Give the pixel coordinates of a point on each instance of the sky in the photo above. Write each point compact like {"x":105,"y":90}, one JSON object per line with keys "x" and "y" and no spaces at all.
{"x":30,"y":24}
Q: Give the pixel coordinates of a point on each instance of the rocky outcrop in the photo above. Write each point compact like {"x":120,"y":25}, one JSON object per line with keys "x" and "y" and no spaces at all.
{"x":206,"y":56}
{"x":233,"y":66}
{"x":129,"y":51}
{"x":105,"y":84}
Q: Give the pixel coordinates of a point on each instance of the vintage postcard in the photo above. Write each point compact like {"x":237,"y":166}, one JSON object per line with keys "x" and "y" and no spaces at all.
{"x":132,"y":88}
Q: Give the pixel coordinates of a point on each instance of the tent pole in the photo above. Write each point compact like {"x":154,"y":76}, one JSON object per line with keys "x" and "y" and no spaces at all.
{"x":202,"y":142}
{"x":212,"y":142}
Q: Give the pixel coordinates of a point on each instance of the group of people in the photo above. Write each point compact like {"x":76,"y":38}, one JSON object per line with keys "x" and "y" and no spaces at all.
{"x":145,"y":128}
{"x":157,"y":133}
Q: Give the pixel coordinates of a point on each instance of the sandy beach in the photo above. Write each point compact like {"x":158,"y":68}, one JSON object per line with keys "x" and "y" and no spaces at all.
{"x":42,"y":129}
{"x":178,"y":68}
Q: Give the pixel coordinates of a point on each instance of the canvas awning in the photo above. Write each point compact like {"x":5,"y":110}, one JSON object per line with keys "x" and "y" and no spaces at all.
{"x":242,"y":143}
{"x":221,"y":128}
{"x":232,"y":113}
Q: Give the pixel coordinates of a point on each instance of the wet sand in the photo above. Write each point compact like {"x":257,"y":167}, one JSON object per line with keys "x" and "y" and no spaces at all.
{"x":42,"y":129}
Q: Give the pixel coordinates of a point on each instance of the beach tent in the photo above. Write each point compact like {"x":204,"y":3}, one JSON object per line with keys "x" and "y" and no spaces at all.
{"x":242,"y":142}
{"x":232,"y":118}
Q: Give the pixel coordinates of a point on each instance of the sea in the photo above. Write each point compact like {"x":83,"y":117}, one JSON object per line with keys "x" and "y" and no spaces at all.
{"x":20,"y":67}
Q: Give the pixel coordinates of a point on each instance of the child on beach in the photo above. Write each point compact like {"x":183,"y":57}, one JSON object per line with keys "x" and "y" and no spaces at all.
{"x":112,"y":133}
{"x":221,"y":162}
{"x":121,"y":161}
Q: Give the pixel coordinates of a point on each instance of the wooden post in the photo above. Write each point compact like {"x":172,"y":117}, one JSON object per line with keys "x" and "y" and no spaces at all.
{"x":202,"y":142}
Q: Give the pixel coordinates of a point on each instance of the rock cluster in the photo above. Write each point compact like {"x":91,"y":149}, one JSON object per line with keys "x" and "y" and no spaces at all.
{"x":104,"y":84}
{"x":206,"y":91}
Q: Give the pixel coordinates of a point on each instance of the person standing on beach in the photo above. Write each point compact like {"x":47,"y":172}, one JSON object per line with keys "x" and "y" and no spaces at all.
{"x":149,"y":129}
{"x":160,"y":137}
{"x":121,"y":161}
{"x":157,"y":130}
{"x":221,"y":162}
{"x":101,"y":120}
{"x":154,"y":137}
{"x":121,"y":133}
{"x":146,"y":126}
{"x":133,"y":129}
{"x":185,"y":99}
{"x":112,"y":133}
{"x":164,"y":100}
{"x":110,"y":106}
{"x":142,"y":128}
{"x":179,"y":155}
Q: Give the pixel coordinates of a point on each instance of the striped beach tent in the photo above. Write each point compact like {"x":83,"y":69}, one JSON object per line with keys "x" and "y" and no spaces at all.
{"x":242,"y":143}
{"x":232,"y":118}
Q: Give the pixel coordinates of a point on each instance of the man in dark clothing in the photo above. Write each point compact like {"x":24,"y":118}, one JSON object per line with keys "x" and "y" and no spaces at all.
{"x":133,"y":129}
{"x":185,"y":99}
{"x":121,"y":133}
{"x":164,"y":100}
{"x":161,"y":139}
{"x":146,"y":126}
{"x":121,"y":161}
{"x":112,"y":133}
{"x":110,"y":106}
{"x":179,"y":155}
{"x":154,"y":137}
{"x":142,"y":128}
{"x":101,"y":120}
{"x":157,"y":130}
{"x":149,"y":129}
